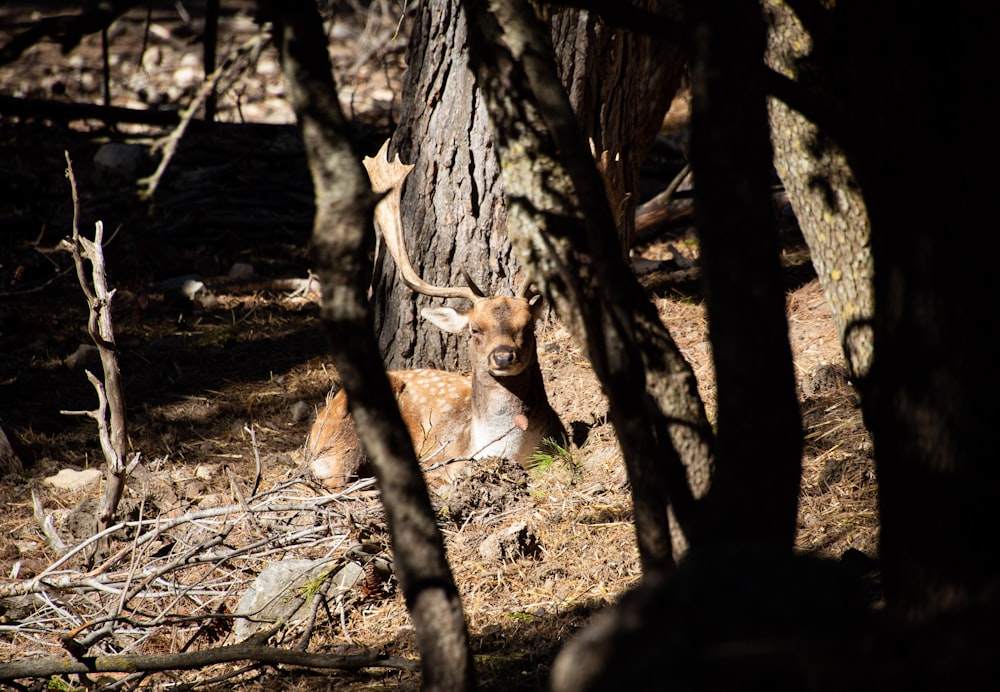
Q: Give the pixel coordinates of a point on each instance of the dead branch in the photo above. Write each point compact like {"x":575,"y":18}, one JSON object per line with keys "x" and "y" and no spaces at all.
{"x":68,"y":30}
{"x":103,"y":617}
{"x":47,"y":526}
{"x":664,"y":211}
{"x":110,"y":415}
{"x":61,"y":110}
{"x":130,"y":663}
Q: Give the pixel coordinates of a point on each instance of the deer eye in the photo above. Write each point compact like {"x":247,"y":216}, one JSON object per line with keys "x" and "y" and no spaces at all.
{"x":475,"y":330}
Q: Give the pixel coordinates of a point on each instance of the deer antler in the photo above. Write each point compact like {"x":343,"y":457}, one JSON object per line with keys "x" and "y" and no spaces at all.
{"x":387,"y":177}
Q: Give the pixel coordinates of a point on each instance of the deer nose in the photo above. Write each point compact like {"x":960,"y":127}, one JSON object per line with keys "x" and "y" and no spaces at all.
{"x":504,"y":356}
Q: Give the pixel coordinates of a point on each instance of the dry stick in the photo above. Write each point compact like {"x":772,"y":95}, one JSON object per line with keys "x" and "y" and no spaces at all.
{"x":44,"y":581}
{"x":47,"y":525}
{"x":258,"y":465}
{"x":110,"y":415}
{"x":151,"y":580}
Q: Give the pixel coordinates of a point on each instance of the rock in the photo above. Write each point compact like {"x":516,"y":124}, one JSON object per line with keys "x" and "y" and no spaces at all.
{"x":187,"y":76}
{"x":512,"y":543}
{"x":10,"y":464}
{"x":71,"y":480}
{"x":117,"y":160}
{"x":300,"y":411}
{"x":241,"y":271}
{"x":280,"y":593}
{"x":187,"y":290}
{"x":85,"y":356}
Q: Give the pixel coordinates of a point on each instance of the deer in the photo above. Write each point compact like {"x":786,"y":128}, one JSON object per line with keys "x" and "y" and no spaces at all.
{"x":500,"y":410}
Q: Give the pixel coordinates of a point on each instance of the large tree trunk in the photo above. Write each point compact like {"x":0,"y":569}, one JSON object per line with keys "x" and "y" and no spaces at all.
{"x":620,"y":86}
{"x":452,"y":204}
{"x":929,"y":403}
{"x":926,"y":397}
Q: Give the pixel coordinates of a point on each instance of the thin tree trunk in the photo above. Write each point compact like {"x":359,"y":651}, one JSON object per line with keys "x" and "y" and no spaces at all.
{"x":342,"y":239}
{"x":754,"y":496}
{"x":563,"y":228}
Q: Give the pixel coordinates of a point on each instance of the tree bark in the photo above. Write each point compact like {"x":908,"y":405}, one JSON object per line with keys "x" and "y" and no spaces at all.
{"x":620,"y":85}
{"x":342,"y":239}
{"x":827,"y":200}
{"x":452,"y":204}
{"x":759,"y":435}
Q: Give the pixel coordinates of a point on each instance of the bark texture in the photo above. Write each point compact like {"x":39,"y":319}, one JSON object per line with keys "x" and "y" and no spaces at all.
{"x":620,"y":84}
{"x":453,"y":207}
{"x":827,"y":200}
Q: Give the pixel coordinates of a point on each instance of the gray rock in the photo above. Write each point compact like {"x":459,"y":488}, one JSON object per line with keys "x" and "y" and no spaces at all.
{"x":281,"y":593}
{"x":512,"y":543}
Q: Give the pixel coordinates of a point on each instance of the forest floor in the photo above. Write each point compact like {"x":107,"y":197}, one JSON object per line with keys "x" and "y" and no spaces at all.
{"x":221,"y":390}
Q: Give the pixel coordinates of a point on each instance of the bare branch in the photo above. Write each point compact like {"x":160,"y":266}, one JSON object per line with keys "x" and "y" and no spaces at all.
{"x":110,"y":415}
{"x":129,"y":663}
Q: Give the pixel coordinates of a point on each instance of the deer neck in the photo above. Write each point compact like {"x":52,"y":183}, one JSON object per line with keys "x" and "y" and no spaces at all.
{"x":510,"y":415}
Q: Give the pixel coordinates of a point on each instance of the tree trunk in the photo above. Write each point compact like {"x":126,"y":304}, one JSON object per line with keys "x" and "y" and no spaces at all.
{"x":452,"y":203}
{"x":342,"y":239}
{"x":759,"y":439}
{"x":824,"y":194}
{"x":926,"y":398}
{"x":620,"y":84}
{"x":929,"y":404}
{"x":564,"y":230}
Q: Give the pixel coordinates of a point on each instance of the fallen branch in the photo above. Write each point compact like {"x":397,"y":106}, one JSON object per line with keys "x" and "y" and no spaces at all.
{"x":131,"y":663}
{"x":54,"y":579}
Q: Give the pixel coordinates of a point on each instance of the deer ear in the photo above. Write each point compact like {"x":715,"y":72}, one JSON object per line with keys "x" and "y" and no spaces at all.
{"x":447,"y":319}
{"x":537,"y":304}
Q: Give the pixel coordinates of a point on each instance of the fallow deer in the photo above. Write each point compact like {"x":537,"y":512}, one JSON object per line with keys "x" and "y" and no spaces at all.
{"x":501,"y":410}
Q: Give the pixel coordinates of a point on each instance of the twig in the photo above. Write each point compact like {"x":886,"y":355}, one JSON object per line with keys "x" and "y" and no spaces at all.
{"x":47,"y":525}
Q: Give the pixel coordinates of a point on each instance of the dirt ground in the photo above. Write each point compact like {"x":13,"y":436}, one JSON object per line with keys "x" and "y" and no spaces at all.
{"x":221,"y":390}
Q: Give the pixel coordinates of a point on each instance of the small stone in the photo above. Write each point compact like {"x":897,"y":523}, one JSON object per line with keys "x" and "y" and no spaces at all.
{"x":277,"y":595}
{"x":85,"y":356}
{"x":241,"y":271}
{"x":300,"y":411}
{"x":71,"y":480}
{"x":118,"y":160}
{"x":512,"y":543}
